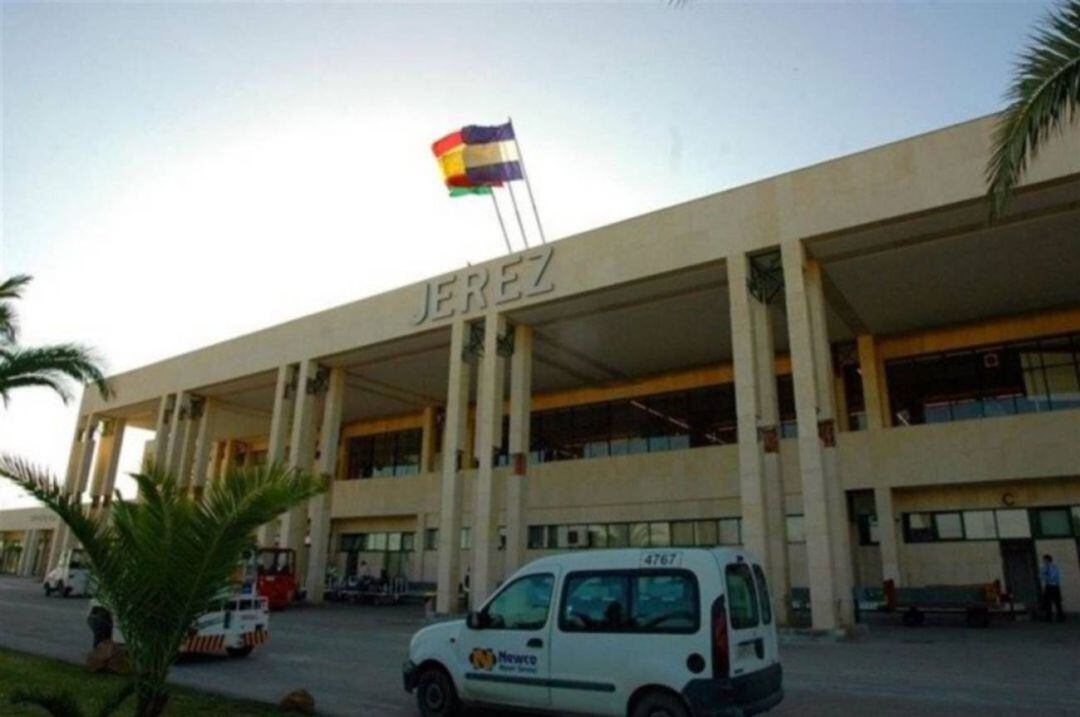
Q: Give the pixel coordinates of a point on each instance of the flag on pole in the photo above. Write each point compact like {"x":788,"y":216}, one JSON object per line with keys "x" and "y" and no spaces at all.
{"x":478,"y":158}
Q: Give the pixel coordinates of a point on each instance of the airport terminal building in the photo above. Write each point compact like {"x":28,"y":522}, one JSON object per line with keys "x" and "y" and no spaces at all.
{"x":844,"y":369}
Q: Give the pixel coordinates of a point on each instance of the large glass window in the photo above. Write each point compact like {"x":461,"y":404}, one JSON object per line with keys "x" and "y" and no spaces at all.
{"x":644,"y":424}
{"x":654,"y":534}
{"x":1018,"y":377}
{"x":384,"y":454}
{"x":522,"y":605}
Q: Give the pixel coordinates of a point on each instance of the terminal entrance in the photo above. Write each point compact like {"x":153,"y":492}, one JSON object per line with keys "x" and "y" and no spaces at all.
{"x":1020,"y":567}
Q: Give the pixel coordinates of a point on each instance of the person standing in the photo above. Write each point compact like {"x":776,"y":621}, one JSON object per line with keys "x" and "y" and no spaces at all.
{"x":1050,"y":576}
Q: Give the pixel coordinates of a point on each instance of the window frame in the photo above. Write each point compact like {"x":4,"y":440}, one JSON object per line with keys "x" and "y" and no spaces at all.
{"x":486,"y":615}
{"x":629,"y":574}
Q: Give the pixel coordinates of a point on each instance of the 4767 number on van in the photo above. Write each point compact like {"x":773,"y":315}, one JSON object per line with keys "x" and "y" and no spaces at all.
{"x":642,"y":633}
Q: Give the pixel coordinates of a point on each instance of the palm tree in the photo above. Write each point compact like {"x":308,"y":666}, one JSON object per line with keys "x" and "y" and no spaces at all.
{"x":1044,"y":96}
{"x":48,"y":366}
{"x":164,"y":560}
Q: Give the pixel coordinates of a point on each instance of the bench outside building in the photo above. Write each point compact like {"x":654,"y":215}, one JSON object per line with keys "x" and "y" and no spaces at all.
{"x":844,"y":369}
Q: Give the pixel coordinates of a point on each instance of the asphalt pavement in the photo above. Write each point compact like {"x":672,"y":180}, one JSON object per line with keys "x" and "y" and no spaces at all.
{"x":350,"y":659}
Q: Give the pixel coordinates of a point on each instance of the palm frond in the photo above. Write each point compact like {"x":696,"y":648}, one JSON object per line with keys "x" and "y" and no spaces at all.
{"x":11,"y":288}
{"x":1043,"y":97}
{"x":50,"y":366}
{"x":164,"y":560}
{"x":59,"y":704}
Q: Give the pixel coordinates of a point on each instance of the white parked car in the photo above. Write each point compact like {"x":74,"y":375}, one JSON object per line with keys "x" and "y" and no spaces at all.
{"x":642,"y":632}
{"x":70,"y":577}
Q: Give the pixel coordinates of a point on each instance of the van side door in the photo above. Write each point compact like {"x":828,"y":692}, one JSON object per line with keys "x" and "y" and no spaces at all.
{"x":749,"y":641}
{"x":504,"y":649}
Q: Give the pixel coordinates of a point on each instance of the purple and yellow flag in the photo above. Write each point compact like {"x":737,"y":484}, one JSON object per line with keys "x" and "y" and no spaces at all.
{"x":474,"y":159}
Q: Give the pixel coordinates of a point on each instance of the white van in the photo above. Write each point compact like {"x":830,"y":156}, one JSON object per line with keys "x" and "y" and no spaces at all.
{"x":70,"y":577}
{"x":645,"y":633}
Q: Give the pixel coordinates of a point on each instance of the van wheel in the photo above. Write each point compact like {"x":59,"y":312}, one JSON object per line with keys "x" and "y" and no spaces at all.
{"x":435,"y":694}
{"x":239,"y":651}
{"x":65,"y":590}
{"x":660,"y":704}
{"x":48,"y":590}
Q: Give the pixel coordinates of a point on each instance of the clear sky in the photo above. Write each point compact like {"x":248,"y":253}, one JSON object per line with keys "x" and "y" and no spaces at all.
{"x":177,"y":174}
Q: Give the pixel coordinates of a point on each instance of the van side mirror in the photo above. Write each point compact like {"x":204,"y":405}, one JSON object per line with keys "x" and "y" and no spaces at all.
{"x":475,"y":620}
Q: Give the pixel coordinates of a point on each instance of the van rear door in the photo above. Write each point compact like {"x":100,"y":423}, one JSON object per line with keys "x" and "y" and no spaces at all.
{"x":751,"y":638}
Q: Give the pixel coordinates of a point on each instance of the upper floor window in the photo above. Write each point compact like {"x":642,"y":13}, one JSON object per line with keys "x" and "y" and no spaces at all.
{"x":385,"y":454}
{"x":1017,"y":377}
{"x":646,"y":424}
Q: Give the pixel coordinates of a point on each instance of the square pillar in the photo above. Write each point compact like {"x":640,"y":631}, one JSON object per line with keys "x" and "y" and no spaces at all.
{"x":751,"y":468}
{"x":519,"y":439}
{"x":301,"y":454}
{"x":839,"y":525}
{"x":162,"y":429}
{"x":81,"y":477}
{"x":816,"y":430}
{"x":326,"y":465}
{"x":280,"y":423}
{"x":200,"y":461}
{"x":427,"y":445}
{"x":28,"y":540}
{"x":191,"y":413}
{"x":174,"y":449}
{"x":758,"y":415}
{"x":108,"y":461}
{"x":69,"y":481}
{"x":873,"y":384}
{"x":489,"y":414}
{"x":888,"y":535}
{"x":418,"y":548}
{"x":453,"y":453}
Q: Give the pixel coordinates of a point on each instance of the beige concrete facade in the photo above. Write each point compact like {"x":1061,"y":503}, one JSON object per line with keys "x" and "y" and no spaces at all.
{"x":765,"y":300}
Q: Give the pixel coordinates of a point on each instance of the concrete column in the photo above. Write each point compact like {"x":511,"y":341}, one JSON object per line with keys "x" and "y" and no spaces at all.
{"x":101,"y":463}
{"x":108,"y":461}
{"x":824,"y":598}
{"x":301,"y":454}
{"x":204,"y":431}
{"x":761,"y":491}
{"x":872,"y":383}
{"x":839,"y":525}
{"x":177,"y":424}
{"x":516,"y":483}
{"x":489,"y":415}
{"x":280,"y":422}
{"x":24,"y":557}
{"x":228,"y":459}
{"x":69,"y":485}
{"x":162,"y":429}
{"x":319,"y":506}
{"x":81,"y":478}
{"x":453,"y":452}
{"x":751,"y":468}
{"x":418,"y":547}
{"x":192,"y":414}
{"x":888,"y":535}
{"x":427,"y":447}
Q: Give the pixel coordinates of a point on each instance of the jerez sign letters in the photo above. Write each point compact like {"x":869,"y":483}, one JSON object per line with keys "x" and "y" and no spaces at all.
{"x":513,"y":278}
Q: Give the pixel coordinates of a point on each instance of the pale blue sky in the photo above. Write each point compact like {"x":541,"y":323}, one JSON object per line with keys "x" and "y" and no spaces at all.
{"x":177,"y":174}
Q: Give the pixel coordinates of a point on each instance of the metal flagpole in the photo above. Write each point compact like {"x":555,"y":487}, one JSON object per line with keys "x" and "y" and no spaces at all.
{"x":528,"y":186}
{"x":506,"y":238}
{"x":521,"y":225}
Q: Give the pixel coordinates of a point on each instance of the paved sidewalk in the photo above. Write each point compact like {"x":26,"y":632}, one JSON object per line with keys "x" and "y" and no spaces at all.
{"x":350,"y":659}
